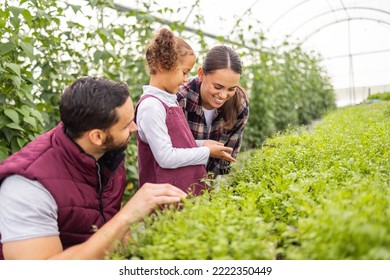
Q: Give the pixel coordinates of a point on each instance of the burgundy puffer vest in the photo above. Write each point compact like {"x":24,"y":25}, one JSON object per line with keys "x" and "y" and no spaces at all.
{"x":187,"y":178}
{"x":84,"y":199}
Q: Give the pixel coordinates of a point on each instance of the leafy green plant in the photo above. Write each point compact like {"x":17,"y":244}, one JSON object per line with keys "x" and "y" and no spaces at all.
{"x":380,"y":96}
{"x":318,"y":193}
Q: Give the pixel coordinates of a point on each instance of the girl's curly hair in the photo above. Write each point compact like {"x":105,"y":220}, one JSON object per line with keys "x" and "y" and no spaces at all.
{"x":165,"y":51}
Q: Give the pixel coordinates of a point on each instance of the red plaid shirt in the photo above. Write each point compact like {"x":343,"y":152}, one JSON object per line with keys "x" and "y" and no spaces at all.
{"x":189,"y":99}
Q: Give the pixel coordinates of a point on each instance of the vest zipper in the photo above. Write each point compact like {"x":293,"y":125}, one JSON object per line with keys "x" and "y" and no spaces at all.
{"x":100,"y":192}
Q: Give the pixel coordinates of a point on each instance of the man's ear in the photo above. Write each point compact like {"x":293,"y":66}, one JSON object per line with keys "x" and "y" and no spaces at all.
{"x":200,"y":74}
{"x":97,"y":136}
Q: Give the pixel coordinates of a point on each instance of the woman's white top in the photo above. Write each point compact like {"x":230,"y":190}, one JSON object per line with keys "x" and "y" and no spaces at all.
{"x":209,"y":115}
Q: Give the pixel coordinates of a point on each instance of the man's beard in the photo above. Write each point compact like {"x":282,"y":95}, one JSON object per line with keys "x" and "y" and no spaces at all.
{"x":111,"y":146}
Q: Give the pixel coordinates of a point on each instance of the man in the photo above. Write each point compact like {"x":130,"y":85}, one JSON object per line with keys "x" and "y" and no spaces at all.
{"x":60,"y":195}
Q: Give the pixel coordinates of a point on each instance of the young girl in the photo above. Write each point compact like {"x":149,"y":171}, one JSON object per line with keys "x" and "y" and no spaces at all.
{"x":167,"y":151}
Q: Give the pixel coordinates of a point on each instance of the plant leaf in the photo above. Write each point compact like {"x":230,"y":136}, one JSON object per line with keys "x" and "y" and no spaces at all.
{"x":12,"y":114}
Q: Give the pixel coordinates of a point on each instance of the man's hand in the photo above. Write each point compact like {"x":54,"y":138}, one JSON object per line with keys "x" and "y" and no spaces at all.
{"x":218,"y":150}
{"x":149,"y":197}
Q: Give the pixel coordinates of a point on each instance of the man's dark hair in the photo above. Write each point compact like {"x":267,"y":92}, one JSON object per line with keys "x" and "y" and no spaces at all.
{"x":90,"y":103}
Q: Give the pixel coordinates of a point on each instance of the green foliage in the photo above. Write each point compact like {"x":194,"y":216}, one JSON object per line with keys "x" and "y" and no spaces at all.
{"x":288,"y":88}
{"x":206,"y":228}
{"x":380,"y":96}
{"x":20,"y":119}
{"x":318,"y":193}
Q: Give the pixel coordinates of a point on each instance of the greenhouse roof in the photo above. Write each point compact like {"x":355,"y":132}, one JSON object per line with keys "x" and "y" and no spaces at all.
{"x":352,"y":36}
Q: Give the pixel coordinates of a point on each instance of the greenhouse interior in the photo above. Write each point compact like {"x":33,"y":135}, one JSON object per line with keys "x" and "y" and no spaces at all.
{"x":305,"y":170}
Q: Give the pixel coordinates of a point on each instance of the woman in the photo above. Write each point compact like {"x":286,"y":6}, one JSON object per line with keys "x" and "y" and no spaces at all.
{"x":216,"y":106}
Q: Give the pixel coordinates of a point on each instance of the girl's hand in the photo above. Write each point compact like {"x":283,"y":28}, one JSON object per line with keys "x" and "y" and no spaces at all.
{"x":218,"y":150}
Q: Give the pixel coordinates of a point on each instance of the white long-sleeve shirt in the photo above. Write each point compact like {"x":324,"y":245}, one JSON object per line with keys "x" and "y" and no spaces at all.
{"x":152,"y":129}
